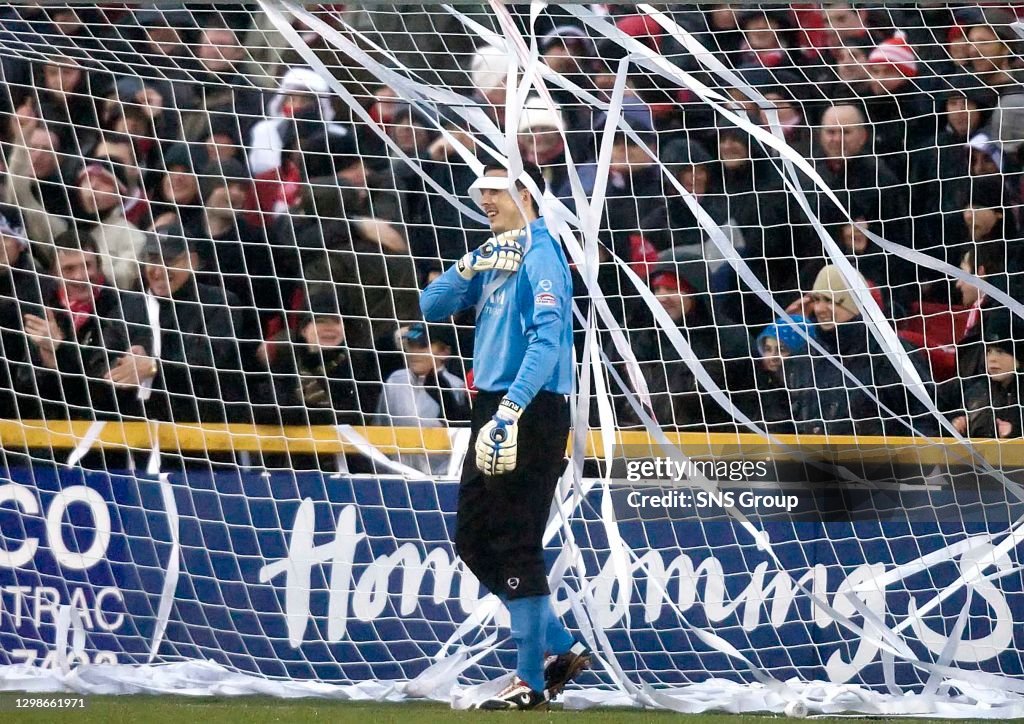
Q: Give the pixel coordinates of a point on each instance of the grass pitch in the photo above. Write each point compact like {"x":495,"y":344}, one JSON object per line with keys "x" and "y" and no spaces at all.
{"x":139,"y":709}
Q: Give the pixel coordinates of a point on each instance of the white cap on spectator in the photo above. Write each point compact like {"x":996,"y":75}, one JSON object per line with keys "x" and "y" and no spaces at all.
{"x":302,"y":80}
{"x":537,"y":115}
{"x":489,"y":68}
{"x":1007,"y":124}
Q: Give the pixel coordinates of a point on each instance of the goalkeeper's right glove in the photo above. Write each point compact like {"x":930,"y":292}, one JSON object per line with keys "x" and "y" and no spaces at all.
{"x":499,"y":253}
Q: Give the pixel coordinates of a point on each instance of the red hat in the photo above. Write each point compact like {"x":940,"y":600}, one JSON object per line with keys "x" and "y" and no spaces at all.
{"x":642,"y":27}
{"x":671,"y":280}
{"x":896,"y":51}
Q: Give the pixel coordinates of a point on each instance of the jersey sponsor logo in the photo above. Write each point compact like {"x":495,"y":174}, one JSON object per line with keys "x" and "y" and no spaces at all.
{"x":498,"y":297}
{"x":545,"y":285}
{"x":545,"y":299}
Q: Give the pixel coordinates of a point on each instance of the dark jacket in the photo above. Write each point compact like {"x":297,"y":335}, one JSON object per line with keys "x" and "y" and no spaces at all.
{"x":677,"y":399}
{"x":76,"y":389}
{"x":20,"y":294}
{"x":375,"y":288}
{"x":767,"y":401}
{"x":200,"y":377}
{"x":986,"y":402}
{"x":825,"y":401}
{"x":317,"y":386}
{"x":865,"y":183}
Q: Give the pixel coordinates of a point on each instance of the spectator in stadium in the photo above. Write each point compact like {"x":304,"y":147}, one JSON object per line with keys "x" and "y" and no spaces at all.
{"x":231,"y":250}
{"x":318,"y":379}
{"x":103,"y":187}
{"x":900,"y":115}
{"x":222,"y":140}
{"x":850,"y":23}
{"x":372,"y":267}
{"x":761,"y":215}
{"x":824,"y":399}
{"x":137,"y":112}
{"x":677,"y":400}
{"x":992,"y":400}
{"x":198,"y":373}
{"x":791,"y":117}
{"x":994,"y":48}
{"x":21,"y":290}
{"x":635,"y":109}
{"x":34,"y":181}
{"x":987,"y":261}
{"x":488,"y":72}
{"x":302,"y":101}
{"x":122,"y":152}
{"x":672,"y":228}
{"x":857,"y":177}
{"x":82,"y":367}
{"x":846,"y":67}
{"x":768,"y":398}
{"x":437,"y":229}
{"x":989,"y":216}
{"x":634,"y":189}
{"x":895,"y":284}
{"x":162,"y":47}
{"x":67,"y":98}
{"x":425,"y":393}
{"x":541,"y":142}
{"x":222,"y":89}
{"x":176,"y":196}
{"x":568,"y":50}
{"x":769,"y":39}
{"x":940,"y":173}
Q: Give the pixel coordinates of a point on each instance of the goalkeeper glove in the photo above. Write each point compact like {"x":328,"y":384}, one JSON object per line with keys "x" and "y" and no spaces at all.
{"x":498,"y":441}
{"x":500,"y":253}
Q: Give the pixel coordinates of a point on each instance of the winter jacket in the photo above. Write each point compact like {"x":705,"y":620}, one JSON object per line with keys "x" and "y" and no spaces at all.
{"x":825,"y":401}
{"x":76,"y":389}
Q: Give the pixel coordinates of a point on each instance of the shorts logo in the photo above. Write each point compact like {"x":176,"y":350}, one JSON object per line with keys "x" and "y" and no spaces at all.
{"x":545,"y":285}
{"x":545,"y":299}
{"x":513,"y":583}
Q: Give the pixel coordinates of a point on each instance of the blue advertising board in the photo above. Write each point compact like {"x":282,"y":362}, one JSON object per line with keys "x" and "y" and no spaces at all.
{"x":343,"y":579}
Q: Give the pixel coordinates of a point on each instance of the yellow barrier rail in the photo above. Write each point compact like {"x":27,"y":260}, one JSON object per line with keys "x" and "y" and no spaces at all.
{"x":41,"y":434}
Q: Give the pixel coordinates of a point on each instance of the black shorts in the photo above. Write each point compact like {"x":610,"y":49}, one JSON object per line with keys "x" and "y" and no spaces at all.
{"x":501,"y":519}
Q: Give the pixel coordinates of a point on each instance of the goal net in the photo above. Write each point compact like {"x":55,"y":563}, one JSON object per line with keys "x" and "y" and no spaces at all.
{"x":231,"y":446}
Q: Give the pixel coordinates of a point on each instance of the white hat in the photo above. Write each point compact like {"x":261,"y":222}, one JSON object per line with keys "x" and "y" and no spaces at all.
{"x":489,"y":68}
{"x":537,"y":114}
{"x":499,"y":183}
{"x":1007,"y":124}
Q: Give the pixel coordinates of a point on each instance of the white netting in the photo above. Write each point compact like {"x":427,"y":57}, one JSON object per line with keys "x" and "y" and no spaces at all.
{"x":216,"y":223}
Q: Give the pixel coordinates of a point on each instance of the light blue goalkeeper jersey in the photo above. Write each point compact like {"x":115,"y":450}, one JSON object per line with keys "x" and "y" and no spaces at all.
{"x":523,"y":320}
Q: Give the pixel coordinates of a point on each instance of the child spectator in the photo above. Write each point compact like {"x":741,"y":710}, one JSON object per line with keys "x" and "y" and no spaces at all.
{"x":992,"y":401}
{"x":425,"y":393}
{"x":768,"y":400}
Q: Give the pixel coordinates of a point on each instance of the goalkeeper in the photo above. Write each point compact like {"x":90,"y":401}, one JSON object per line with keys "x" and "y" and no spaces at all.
{"x":519,"y":283}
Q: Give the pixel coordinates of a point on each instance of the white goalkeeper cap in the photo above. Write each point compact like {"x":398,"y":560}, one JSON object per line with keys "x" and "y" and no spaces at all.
{"x":499,"y":183}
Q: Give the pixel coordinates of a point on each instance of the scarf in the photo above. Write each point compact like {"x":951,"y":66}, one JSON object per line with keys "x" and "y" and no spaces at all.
{"x":80,"y":310}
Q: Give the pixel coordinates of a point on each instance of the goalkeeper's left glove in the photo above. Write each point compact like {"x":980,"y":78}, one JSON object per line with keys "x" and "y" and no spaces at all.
{"x":503,"y":253}
{"x":498,"y":441}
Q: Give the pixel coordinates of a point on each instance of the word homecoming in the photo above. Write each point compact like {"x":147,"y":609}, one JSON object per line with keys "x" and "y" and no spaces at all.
{"x":668,"y":469}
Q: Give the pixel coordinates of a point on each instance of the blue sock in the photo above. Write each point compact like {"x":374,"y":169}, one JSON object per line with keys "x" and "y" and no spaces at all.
{"x":528,"y":621}
{"x":557,"y":638}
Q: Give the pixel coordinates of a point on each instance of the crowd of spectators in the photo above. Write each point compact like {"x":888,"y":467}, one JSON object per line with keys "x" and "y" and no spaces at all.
{"x":195,"y":227}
